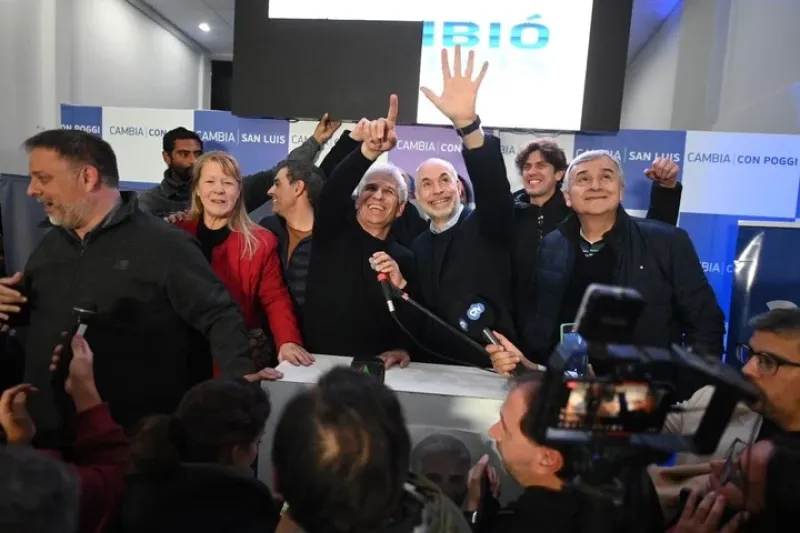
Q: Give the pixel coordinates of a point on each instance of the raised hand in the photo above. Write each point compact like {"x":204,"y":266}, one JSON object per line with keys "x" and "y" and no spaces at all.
{"x":326,"y":128}
{"x":360,"y":130}
{"x":664,"y":172}
{"x":460,"y":90}
{"x":381,"y":136}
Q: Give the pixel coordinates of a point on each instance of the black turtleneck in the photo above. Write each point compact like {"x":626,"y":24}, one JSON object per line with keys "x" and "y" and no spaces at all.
{"x":210,"y":238}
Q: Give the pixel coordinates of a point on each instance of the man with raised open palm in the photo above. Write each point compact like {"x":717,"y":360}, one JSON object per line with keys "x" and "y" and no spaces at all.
{"x":465,"y":251}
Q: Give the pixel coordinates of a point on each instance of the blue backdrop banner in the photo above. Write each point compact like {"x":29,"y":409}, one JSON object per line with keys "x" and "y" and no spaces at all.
{"x":727,"y":177}
{"x":767,"y":263}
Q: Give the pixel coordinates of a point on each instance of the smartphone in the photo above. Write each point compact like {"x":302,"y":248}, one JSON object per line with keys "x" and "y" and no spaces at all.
{"x":375,"y":369}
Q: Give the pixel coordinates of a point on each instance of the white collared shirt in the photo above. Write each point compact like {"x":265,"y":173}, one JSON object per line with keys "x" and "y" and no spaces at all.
{"x":450,"y":223}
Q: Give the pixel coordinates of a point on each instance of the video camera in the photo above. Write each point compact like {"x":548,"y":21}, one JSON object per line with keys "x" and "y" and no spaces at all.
{"x":609,"y":425}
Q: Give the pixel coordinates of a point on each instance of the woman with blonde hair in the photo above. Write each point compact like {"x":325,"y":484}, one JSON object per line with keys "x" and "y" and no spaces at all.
{"x":244,"y":256}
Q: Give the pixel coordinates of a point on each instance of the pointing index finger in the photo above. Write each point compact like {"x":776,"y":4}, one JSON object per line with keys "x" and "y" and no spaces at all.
{"x":391,"y":116}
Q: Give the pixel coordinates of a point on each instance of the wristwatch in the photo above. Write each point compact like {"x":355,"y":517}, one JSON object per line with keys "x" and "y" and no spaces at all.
{"x":466,"y":130}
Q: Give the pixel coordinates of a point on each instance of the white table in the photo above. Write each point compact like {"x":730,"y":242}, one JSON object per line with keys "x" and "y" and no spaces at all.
{"x":460,"y":401}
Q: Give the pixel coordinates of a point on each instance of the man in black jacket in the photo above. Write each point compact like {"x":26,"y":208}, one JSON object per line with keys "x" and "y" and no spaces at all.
{"x":465,"y":252}
{"x":182,"y":147}
{"x":294,"y":193}
{"x":547,"y":503}
{"x":601,"y":243}
{"x":345,"y":311}
{"x":540,"y":206}
{"x":149,"y":283}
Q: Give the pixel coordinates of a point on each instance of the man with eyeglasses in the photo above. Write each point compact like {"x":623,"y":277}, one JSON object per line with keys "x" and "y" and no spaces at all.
{"x":771,"y":361}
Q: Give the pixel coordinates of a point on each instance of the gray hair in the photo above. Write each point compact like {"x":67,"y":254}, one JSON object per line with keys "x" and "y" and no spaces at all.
{"x":448,"y":167}
{"x":386,"y":169}
{"x":440,"y":444}
{"x":591,"y":155}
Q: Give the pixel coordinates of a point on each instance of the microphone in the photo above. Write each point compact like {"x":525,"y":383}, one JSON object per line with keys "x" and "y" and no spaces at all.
{"x":475,"y":316}
{"x":83,"y":315}
{"x":386,"y":287}
{"x":395,"y":292}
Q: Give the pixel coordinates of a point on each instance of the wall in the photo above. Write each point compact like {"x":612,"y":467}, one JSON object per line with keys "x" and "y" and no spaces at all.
{"x":761,"y":81}
{"x":736,"y":70}
{"x":91,"y":52}
{"x":650,"y":79}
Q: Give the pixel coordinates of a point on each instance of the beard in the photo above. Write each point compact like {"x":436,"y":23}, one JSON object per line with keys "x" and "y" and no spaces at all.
{"x":182,"y":173}
{"x":71,"y":216}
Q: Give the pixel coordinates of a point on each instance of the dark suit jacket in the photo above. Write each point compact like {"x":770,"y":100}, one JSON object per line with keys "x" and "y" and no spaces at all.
{"x":477,"y":258}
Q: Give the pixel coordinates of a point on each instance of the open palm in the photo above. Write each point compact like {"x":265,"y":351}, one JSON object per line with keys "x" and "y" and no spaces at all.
{"x":460,"y":90}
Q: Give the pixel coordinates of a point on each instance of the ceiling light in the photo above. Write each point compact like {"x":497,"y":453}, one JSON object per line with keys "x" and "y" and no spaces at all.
{"x":204,"y":27}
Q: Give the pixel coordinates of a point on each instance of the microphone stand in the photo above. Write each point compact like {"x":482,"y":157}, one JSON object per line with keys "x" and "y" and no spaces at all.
{"x":422,"y":309}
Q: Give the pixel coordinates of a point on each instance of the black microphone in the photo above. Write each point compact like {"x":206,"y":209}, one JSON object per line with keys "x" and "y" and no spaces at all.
{"x":82,"y":315}
{"x":386,"y":287}
{"x":475,"y":316}
{"x":394,"y":291}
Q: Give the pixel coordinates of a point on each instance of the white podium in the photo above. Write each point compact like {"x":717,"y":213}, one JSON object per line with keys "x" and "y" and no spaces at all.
{"x":437,"y":400}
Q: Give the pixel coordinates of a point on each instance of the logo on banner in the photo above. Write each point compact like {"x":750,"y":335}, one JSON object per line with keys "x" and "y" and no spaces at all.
{"x":712,"y":267}
{"x":722,"y":158}
{"x":241,"y":137}
{"x":529,"y":35}
{"x":94,"y":129}
{"x":428,"y":146}
{"x":625,"y":155}
{"x":475,"y":311}
{"x":136,"y":131}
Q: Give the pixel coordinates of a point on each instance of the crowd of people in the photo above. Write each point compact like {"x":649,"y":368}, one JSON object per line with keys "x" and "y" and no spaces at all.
{"x":148,"y":417}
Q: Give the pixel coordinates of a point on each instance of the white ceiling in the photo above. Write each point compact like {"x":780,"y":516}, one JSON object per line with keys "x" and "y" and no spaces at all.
{"x":186,"y":15}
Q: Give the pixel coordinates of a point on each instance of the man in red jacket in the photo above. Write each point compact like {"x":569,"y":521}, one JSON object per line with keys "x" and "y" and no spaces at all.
{"x":99,"y":457}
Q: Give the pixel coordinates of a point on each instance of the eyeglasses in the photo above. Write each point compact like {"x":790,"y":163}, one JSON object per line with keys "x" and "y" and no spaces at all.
{"x":768,"y":363}
{"x":733,"y":472}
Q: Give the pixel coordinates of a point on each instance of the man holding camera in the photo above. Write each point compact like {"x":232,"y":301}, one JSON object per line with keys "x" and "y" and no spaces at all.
{"x":547,"y":502}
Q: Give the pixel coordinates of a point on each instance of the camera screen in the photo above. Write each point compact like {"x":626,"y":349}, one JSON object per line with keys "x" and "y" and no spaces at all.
{"x":633,"y":407}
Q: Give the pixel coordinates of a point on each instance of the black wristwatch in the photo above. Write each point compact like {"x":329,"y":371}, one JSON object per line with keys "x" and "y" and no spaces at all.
{"x":466,"y":130}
